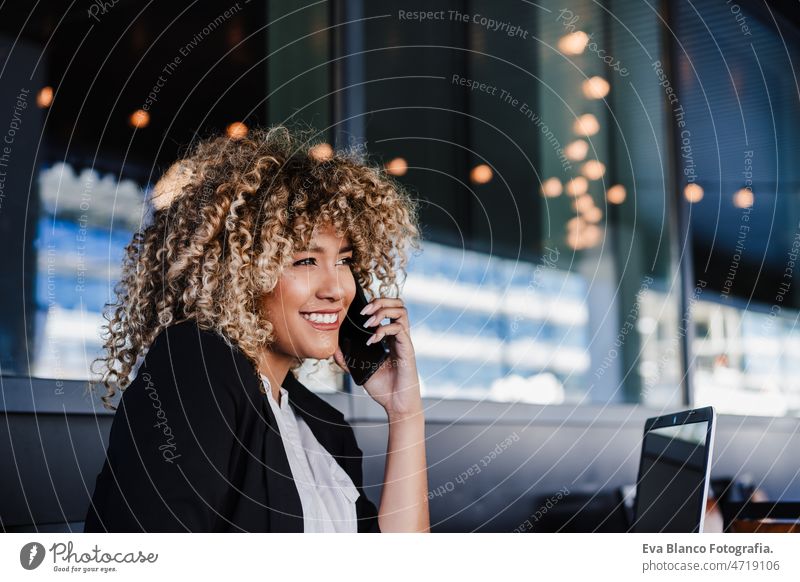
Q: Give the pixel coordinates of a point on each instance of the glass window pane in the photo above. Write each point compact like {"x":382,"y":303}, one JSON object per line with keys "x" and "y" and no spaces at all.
{"x":548,"y":268}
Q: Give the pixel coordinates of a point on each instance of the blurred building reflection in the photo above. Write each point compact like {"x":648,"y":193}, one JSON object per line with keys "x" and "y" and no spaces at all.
{"x":612,"y":219}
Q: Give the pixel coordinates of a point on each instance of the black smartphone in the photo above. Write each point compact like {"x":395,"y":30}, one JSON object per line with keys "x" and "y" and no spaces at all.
{"x":362,"y":360}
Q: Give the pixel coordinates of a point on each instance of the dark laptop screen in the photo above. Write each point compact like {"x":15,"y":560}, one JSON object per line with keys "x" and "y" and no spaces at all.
{"x":670,"y":490}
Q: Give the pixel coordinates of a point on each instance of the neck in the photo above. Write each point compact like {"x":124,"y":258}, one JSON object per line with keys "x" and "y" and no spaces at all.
{"x":274,"y":366}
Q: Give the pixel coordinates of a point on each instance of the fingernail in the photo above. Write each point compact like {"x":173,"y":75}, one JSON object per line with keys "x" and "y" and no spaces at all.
{"x":370,"y":322}
{"x":367,"y":309}
{"x":369,"y":341}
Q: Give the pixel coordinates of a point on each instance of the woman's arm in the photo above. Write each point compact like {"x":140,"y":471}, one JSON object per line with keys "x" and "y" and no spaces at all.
{"x":404,"y":500}
{"x":395,"y":386}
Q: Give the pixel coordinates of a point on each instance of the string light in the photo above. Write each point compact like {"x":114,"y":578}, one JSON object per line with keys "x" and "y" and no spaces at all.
{"x":577,"y":186}
{"x":321,"y":151}
{"x":593,"y":169}
{"x":593,"y":214}
{"x":481,"y":174}
{"x":45,"y":97}
{"x":397,"y":167}
{"x":693,"y":192}
{"x":583,"y":203}
{"x":616,"y":194}
{"x":595,"y":88}
{"x":586,"y":124}
{"x":584,"y":237}
{"x":575,"y":223}
{"x":236,"y":130}
{"x":552,"y":187}
{"x":576,"y":150}
{"x":743,"y":198}
{"x":139,"y":119}
{"x":573,"y":43}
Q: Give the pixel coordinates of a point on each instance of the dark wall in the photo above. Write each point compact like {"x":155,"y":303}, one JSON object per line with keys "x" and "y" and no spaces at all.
{"x":49,"y":459}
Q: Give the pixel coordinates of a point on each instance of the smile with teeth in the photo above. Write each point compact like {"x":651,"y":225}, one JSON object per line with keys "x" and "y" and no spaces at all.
{"x":321,"y":317}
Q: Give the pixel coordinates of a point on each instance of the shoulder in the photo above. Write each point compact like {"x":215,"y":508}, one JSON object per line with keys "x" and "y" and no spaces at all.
{"x":189,"y":334}
{"x":189,"y":356}
{"x":188,"y":342}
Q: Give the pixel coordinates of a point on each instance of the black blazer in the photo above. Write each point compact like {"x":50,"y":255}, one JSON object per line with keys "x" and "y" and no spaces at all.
{"x":194,"y":446}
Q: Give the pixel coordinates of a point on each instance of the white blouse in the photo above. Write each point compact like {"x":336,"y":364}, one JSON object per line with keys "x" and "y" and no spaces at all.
{"x":327,"y":493}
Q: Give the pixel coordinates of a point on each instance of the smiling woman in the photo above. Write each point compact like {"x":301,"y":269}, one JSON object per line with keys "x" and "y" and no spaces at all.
{"x":310,"y":301}
{"x":248,"y":267}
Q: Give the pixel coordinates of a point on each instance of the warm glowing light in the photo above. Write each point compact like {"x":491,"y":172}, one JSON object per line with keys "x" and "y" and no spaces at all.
{"x":586,"y":124}
{"x":583,"y":203}
{"x":584,"y":237}
{"x":321,"y":151}
{"x":45,"y":97}
{"x":693,"y":192}
{"x":593,"y":235}
{"x":593,"y":214}
{"x":593,"y":169}
{"x":139,"y":119}
{"x":397,"y":167}
{"x":573,"y":43}
{"x":576,"y":223}
{"x":481,"y":174}
{"x":616,"y":194}
{"x":552,"y":187}
{"x":236,"y":130}
{"x":743,"y":198}
{"x":595,"y":88}
{"x":576,"y":150}
{"x":577,"y":186}
{"x":171,"y":185}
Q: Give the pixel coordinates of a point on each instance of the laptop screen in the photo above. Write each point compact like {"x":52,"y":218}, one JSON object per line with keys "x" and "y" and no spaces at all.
{"x":671,"y":490}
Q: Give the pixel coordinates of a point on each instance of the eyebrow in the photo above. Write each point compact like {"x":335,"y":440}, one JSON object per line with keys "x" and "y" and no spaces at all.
{"x":319,"y":249}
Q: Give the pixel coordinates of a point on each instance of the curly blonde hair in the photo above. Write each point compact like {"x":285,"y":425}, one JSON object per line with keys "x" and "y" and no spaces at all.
{"x":227,"y":219}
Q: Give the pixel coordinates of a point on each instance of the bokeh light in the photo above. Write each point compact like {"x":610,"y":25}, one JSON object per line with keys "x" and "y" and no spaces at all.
{"x":595,"y":88}
{"x":481,"y":174}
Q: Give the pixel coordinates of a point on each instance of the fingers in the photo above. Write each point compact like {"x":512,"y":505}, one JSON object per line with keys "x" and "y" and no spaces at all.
{"x":384,"y":307}
{"x":391,"y":308}
{"x":393,"y":313}
{"x":381,"y":302}
{"x":396,"y":328}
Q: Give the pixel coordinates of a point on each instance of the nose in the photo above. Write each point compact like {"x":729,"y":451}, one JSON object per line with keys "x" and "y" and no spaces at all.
{"x":332,"y":285}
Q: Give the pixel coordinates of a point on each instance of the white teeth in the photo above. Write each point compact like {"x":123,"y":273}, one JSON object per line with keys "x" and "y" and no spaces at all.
{"x":321,"y":317}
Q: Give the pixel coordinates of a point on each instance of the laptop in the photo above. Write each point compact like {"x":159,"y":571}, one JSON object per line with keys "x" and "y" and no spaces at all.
{"x":672,"y":486}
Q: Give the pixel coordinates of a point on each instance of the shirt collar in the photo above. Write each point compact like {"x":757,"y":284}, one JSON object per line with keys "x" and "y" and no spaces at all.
{"x":284,"y":403}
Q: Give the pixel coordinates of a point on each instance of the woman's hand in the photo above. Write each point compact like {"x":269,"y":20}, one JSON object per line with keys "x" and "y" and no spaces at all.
{"x":395,"y":385}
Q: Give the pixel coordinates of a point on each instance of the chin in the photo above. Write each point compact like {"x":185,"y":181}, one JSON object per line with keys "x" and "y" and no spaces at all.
{"x":320,"y":352}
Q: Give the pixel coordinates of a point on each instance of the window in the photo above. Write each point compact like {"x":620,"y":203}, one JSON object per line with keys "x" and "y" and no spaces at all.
{"x":609,"y":212}
{"x":536,"y":145}
{"x":85,"y":223}
{"x":736,"y":81}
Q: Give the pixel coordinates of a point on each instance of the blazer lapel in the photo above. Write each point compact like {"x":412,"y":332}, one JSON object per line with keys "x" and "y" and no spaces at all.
{"x":285,"y":507}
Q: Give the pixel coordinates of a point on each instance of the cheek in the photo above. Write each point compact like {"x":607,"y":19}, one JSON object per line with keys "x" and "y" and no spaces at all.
{"x":292,"y":293}
{"x":350,"y":292}
{"x":276,"y":305}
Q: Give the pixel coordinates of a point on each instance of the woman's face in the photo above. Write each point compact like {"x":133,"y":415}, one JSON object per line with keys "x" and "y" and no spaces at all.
{"x":310,"y":301}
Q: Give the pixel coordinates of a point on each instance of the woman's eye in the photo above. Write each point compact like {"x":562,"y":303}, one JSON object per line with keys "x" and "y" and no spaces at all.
{"x":312,"y":260}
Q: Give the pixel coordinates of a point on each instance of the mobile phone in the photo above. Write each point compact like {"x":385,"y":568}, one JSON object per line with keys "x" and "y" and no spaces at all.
{"x":362,"y":360}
